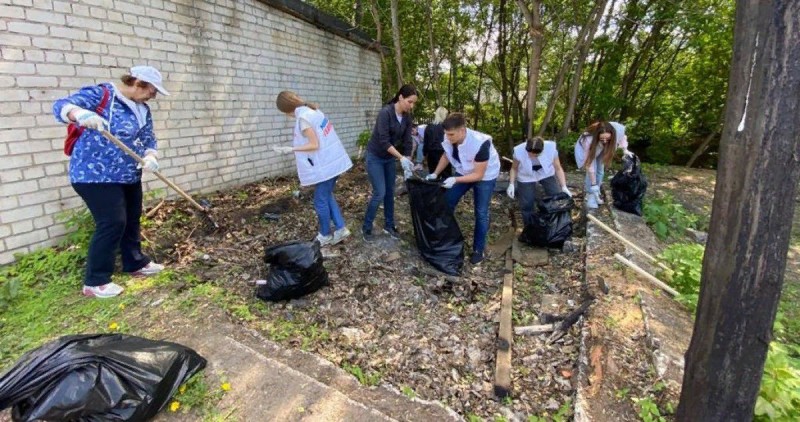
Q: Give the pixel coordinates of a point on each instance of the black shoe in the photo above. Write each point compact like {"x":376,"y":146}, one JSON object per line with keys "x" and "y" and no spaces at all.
{"x":392,"y":232}
{"x":368,"y":236}
{"x":476,"y":258}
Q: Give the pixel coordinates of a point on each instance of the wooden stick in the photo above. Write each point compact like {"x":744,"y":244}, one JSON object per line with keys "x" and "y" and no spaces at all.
{"x":508,"y":159}
{"x":627,"y":242}
{"x":139,"y":160}
{"x":646,"y":275}
{"x":155,"y":209}
{"x":505,"y":339}
{"x":534,"y":329}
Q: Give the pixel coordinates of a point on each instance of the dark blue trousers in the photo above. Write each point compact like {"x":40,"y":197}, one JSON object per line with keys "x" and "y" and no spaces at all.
{"x":116,"y":209}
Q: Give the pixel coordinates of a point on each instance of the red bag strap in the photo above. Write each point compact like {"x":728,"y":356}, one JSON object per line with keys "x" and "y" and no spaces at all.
{"x":103,"y":101}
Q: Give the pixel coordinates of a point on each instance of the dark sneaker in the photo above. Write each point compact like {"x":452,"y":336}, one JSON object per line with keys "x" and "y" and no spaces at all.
{"x":392,"y":232}
{"x":368,"y":236}
{"x":476,"y":258}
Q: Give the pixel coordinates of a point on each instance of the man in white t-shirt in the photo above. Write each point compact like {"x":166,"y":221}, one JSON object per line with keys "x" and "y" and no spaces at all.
{"x":476,"y":165}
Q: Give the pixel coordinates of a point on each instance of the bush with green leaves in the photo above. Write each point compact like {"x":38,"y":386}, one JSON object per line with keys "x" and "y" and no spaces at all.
{"x":779,"y":397}
{"x":667,"y":218}
{"x":686,"y":262}
{"x":363,"y":138}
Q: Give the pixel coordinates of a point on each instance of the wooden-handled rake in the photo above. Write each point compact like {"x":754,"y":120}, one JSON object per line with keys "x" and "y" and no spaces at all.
{"x":204,"y":211}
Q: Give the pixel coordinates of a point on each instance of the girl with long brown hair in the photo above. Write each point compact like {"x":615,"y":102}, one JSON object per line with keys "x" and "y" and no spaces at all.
{"x":320,"y":158}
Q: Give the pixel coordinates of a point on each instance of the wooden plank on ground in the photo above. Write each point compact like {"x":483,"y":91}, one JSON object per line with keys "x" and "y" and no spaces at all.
{"x":505,"y":336}
{"x":501,"y":245}
{"x":529,"y":256}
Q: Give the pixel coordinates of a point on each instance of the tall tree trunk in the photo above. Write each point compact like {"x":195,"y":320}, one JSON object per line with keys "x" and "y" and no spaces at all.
{"x":358,"y":14}
{"x":398,"y":52}
{"x":501,"y":62}
{"x":745,"y":259}
{"x":534,"y":18}
{"x":611,"y":56}
{"x":477,"y":113}
{"x":562,"y":72}
{"x":701,"y":149}
{"x":373,"y":9}
{"x":434,"y":56}
{"x":576,"y":77}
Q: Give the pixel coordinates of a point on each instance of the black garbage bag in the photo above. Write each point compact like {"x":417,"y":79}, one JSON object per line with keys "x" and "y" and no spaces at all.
{"x":97,"y":377}
{"x":436,"y":230}
{"x":551,"y":226}
{"x":296,"y":269}
{"x":629,"y":185}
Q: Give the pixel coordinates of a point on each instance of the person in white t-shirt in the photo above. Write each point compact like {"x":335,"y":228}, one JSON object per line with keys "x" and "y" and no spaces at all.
{"x":476,"y":165}
{"x":599,"y":142}
{"x":320,"y":158}
{"x":535,"y":161}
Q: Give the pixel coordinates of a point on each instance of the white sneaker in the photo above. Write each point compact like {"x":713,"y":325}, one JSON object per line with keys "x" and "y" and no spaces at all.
{"x":591,"y":201}
{"x":324,"y":240}
{"x":340,"y":235}
{"x":149,"y":269}
{"x":599,"y":199}
{"x":102,"y":292}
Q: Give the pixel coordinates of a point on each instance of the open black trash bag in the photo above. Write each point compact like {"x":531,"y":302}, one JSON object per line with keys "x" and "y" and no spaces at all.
{"x":551,"y":226}
{"x":296,"y":269}
{"x":436,"y":230}
{"x":629,"y":185}
{"x":97,"y":377}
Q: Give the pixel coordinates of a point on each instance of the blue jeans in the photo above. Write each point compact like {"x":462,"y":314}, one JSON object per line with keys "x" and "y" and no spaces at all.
{"x":381,"y":173}
{"x":116,"y":209}
{"x":418,"y":158}
{"x":599,"y":173}
{"x":326,"y":206}
{"x":482,"y":194}
{"x":526,"y":194}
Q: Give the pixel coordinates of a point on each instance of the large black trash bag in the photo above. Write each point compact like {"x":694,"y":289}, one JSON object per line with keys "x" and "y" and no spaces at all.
{"x":628,"y":186}
{"x":436,"y":230}
{"x":551,"y":226}
{"x":296,"y":270}
{"x":97,"y":377}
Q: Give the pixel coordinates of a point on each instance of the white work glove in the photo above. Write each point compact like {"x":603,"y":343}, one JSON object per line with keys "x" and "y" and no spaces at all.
{"x":431,"y":177}
{"x":627,"y":153}
{"x":282,"y":150}
{"x":595,"y":189}
{"x":407,"y":164}
{"x":407,"y":174}
{"x":150,"y":163}
{"x":510,"y":191}
{"x":90,"y":120}
{"x":565,"y":189}
{"x":449,"y":182}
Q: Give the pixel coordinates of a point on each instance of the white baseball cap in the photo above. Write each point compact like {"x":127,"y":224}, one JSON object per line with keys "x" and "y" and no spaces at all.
{"x":150,"y":75}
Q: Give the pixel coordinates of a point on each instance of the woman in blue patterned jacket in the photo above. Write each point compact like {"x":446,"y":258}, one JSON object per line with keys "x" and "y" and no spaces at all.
{"x":108,"y":180}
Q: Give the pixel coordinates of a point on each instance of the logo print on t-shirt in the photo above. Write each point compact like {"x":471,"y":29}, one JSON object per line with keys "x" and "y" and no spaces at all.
{"x":326,"y":126}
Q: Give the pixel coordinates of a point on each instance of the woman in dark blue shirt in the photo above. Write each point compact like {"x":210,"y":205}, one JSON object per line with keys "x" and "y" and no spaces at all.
{"x":390,"y":141}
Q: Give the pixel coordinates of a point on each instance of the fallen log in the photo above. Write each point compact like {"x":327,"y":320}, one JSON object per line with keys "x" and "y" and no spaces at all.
{"x":568,"y":321}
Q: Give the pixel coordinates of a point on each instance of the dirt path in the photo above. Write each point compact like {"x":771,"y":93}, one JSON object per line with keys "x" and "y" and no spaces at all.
{"x":383,"y":317}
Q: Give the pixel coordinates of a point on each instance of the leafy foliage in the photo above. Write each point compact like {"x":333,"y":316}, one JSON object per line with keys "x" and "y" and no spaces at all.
{"x":779,"y":397}
{"x":667,"y":218}
{"x":686,"y":262}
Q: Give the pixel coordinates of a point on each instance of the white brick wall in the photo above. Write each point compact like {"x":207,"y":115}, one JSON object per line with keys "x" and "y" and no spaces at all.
{"x":224,"y":63}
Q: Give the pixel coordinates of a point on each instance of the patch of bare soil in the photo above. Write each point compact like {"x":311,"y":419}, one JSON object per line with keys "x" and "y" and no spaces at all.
{"x":383,"y":313}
